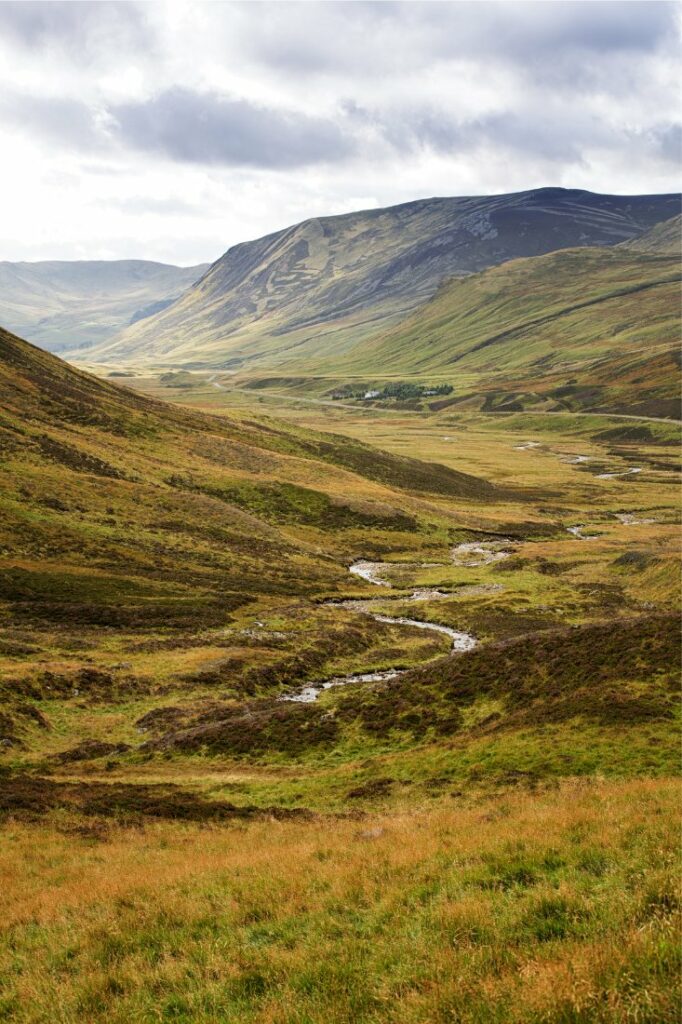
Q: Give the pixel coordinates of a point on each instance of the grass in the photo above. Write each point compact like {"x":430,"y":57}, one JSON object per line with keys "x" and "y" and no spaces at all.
{"x":577,"y":329}
{"x":554,"y":907}
{"x":489,"y":837}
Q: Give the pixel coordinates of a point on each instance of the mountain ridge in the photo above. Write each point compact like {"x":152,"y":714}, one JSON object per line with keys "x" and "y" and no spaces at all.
{"x":329,"y":282}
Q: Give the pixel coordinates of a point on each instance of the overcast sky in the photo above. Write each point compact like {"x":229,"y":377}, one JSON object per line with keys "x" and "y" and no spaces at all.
{"x":170,"y":131}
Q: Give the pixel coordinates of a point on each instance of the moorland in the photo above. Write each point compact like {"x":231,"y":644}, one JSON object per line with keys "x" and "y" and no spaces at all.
{"x":322,"y":708}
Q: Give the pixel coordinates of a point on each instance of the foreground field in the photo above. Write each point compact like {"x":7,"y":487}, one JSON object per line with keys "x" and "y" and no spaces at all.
{"x":557,"y":906}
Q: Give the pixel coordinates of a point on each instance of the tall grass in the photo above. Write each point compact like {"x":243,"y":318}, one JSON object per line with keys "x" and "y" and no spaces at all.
{"x":554,"y":907}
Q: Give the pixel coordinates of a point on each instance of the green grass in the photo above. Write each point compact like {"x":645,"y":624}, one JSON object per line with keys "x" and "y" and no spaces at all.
{"x":559,"y":907}
{"x":576,"y":328}
{"x":488,"y":837}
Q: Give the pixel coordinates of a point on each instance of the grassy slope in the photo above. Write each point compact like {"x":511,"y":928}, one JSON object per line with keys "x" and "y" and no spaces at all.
{"x":444,"y":848}
{"x":580,"y":319}
{"x":553,"y":908}
{"x":664,"y":239}
{"x":114,"y":501}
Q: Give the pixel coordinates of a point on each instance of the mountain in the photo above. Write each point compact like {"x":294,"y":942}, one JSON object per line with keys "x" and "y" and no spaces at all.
{"x":59,"y":304}
{"x":327,"y":283}
{"x":581,"y":328}
{"x":664,"y":239}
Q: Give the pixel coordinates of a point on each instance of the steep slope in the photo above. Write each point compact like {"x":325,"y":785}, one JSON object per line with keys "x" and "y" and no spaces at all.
{"x":60,"y":304}
{"x":664,"y":239}
{"x":120,"y":510}
{"x":570,"y":325}
{"x":324,"y":284}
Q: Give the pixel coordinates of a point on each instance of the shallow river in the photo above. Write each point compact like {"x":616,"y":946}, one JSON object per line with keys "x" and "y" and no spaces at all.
{"x":375,"y":572}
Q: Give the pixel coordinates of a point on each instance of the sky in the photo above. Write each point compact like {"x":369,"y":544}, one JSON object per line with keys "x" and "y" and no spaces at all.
{"x":173,"y":130}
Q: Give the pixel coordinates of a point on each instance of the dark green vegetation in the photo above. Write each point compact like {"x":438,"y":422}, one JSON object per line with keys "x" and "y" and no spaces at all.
{"x":313,"y":290}
{"x":63,"y":305}
{"x":401,"y":391}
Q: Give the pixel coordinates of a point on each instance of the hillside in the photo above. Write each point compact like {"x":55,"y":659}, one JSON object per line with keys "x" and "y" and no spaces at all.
{"x":61,"y":304}
{"x":664,"y":239}
{"x":114,"y":506}
{"x":322,"y":285}
{"x":579,"y":328}
{"x":241,"y":782}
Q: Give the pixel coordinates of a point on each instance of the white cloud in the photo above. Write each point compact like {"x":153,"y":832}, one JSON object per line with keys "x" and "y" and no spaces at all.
{"x":173,"y":130}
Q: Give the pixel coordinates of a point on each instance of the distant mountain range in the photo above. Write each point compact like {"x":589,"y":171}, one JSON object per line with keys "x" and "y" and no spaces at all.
{"x":62,"y":304}
{"x":314,"y":290}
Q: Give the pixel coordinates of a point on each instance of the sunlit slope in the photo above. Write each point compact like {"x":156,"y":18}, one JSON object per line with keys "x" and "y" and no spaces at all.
{"x":317,"y":288}
{"x":65,"y":304}
{"x":557,"y":318}
{"x":120,"y":510}
{"x":664,"y":239}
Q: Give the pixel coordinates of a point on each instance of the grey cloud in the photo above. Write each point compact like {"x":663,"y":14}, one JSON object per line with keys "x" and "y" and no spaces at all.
{"x":211,"y":129}
{"x":550,"y":133}
{"x":160,"y":207}
{"x":536,"y":31}
{"x":335,"y":38}
{"x":83,"y":28}
{"x":65,"y":121}
{"x":667,"y":140}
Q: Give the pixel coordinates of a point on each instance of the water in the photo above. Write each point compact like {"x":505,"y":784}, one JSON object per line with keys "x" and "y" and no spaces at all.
{"x":460,"y":641}
{"x":577,"y":531}
{"x":629,"y":519}
{"x":612,"y":476}
{"x":309,"y":694}
{"x":370,"y":571}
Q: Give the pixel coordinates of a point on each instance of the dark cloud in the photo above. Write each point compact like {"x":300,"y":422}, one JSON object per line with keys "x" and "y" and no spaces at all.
{"x":375,"y":37}
{"x":211,"y":129}
{"x":667,"y":140}
{"x":536,"y":31}
{"x":547,"y":132}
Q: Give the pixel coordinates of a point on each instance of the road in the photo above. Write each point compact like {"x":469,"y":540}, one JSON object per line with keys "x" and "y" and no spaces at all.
{"x":370,"y":408}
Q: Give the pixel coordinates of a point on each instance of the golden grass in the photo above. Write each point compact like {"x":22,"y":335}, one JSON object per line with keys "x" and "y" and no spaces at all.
{"x":547,"y":907}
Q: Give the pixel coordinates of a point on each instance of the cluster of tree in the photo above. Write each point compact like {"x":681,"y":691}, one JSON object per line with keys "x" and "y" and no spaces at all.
{"x":401,"y":390}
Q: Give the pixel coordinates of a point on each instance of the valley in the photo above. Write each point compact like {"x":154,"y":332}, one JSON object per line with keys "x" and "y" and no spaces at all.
{"x":349,"y":692}
{"x":191,"y":672}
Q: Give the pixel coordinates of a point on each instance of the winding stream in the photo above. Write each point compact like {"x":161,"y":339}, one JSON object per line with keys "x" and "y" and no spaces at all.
{"x":577,"y":531}
{"x":468,"y":554}
{"x":625,"y":472}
